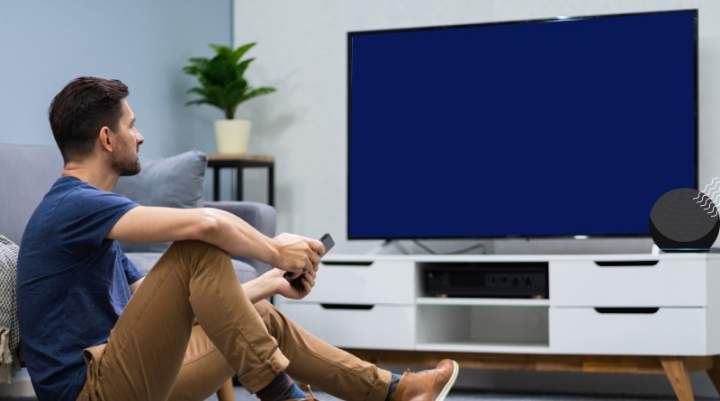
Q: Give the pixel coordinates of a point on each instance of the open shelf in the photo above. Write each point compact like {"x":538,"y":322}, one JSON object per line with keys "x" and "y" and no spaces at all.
{"x":482,"y":326}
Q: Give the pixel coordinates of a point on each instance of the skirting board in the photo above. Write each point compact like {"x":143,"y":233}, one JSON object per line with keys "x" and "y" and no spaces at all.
{"x":20,"y":388}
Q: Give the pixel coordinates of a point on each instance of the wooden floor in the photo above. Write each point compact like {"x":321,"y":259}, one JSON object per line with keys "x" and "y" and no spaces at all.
{"x":676,"y":369}
{"x":242,"y":395}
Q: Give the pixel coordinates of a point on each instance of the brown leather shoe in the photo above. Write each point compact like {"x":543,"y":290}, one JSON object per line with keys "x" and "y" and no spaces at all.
{"x":428,"y":385}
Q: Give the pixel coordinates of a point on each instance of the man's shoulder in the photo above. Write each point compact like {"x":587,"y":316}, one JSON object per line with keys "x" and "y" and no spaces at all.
{"x":88,"y":198}
{"x":61,"y":190}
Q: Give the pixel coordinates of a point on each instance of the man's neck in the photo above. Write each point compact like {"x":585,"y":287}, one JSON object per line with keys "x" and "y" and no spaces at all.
{"x":95,"y":174}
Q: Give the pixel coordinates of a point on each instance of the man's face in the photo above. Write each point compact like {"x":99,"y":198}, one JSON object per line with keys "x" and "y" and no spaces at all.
{"x":125,"y":159}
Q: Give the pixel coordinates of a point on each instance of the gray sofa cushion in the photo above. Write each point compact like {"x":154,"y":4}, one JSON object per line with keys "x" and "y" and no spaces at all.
{"x":144,"y":261}
{"x":175,"y":181}
{"x":26,"y":174}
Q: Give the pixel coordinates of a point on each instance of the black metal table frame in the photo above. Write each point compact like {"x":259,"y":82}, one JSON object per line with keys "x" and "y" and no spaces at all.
{"x":240,"y":166}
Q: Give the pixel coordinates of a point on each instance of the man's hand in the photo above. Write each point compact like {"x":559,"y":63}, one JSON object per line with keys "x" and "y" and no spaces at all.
{"x":282,"y":286}
{"x":297,"y":254}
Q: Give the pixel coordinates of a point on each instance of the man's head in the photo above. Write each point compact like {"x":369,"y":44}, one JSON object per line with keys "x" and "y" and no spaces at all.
{"x":91,"y":117}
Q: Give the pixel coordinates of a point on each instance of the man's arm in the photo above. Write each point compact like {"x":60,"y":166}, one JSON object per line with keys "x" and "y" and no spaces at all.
{"x":273,"y":282}
{"x":292,"y":253}
{"x":134,"y":286}
{"x":259,"y":288}
{"x":220,"y":228}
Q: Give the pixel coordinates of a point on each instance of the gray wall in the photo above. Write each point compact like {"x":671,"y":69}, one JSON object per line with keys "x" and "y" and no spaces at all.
{"x":47,"y":43}
{"x":302,"y":51}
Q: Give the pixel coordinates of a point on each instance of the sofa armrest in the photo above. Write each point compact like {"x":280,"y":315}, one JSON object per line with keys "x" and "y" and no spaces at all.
{"x":258,"y":215}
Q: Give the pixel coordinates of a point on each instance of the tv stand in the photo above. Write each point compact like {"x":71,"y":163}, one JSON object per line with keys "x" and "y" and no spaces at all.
{"x":636,"y":313}
{"x":385,"y":248}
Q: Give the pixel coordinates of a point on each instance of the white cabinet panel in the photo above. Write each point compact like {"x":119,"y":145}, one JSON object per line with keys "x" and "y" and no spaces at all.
{"x":669,"y":331}
{"x":667,"y":283}
{"x":381,"y":327}
{"x":382,"y":282}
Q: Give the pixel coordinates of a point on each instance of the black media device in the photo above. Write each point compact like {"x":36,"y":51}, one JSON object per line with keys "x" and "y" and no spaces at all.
{"x":487,"y":280}
{"x":328,"y":243}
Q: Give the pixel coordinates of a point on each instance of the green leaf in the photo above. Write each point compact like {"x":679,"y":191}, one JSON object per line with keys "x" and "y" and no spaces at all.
{"x":240,"y":68}
{"x":199,"y":61}
{"x":241,"y":50}
{"x":221,"y":50}
{"x":197,"y":102}
{"x":197,"y":90}
{"x":257,"y":92}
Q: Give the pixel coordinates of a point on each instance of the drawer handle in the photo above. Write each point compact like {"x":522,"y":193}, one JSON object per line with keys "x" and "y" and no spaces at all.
{"x":347,"y":306}
{"x":624,"y":263}
{"x":647,"y":311}
{"x":339,"y":263}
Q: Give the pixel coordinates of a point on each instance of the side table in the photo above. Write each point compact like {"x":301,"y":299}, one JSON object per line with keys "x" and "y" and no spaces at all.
{"x":240,"y":162}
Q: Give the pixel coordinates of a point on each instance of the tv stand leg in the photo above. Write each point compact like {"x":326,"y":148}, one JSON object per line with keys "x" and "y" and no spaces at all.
{"x":714,"y":373}
{"x":677,"y":374}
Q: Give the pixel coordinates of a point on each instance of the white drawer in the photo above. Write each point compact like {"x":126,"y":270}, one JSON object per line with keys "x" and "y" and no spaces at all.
{"x":381,"y":282}
{"x":669,"y":331}
{"x":666,"y":283}
{"x":381,"y":327}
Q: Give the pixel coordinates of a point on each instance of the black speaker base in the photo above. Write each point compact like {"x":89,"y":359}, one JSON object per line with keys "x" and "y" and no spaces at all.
{"x":685,"y":250}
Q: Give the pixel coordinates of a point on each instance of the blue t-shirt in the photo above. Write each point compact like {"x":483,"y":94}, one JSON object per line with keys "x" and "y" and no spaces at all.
{"x":72,"y":283}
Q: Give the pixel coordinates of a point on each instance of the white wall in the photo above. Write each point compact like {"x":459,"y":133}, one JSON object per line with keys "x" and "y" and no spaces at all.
{"x":302,"y":51}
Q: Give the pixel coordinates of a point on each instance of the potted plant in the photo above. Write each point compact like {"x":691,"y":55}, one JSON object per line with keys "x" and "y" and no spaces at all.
{"x":222,"y":84}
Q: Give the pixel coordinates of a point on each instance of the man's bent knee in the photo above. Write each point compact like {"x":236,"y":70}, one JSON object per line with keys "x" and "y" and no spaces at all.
{"x":264,"y":308}
{"x":196,"y":246}
{"x":196,"y":252}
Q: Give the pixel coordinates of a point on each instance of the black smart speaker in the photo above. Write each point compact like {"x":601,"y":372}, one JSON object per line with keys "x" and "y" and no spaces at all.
{"x":684,"y":220}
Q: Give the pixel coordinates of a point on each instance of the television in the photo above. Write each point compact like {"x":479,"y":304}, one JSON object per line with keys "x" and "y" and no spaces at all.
{"x":563,"y":127}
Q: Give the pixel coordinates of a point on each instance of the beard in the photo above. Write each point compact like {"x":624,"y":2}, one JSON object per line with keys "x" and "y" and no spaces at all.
{"x":126,"y":167}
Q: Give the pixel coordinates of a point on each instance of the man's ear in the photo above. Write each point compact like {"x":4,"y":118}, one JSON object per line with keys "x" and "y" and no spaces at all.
{"x":105,"y":139}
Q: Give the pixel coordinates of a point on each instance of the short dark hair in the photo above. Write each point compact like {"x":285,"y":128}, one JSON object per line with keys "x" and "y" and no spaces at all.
{"x":81,"y":108}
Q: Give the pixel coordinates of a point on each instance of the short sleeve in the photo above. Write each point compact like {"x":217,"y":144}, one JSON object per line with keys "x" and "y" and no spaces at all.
{"x":131,"y":272}
{"x":86,"y":215}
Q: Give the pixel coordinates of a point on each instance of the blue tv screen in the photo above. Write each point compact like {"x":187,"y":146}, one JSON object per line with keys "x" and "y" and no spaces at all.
{"x":562,"y":127}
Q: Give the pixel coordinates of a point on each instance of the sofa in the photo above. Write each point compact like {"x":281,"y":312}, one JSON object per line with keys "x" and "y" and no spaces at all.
{"x":28,"y":171}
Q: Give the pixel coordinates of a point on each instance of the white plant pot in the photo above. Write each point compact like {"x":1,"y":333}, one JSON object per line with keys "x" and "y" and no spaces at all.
{"x":232,"y":135}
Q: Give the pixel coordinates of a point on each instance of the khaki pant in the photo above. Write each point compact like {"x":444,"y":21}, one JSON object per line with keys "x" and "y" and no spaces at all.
{"x":155,"y":353}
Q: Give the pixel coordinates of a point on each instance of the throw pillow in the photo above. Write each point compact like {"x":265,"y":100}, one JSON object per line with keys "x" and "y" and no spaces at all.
{"x":175,"y":181}
{"x":9,"y":327}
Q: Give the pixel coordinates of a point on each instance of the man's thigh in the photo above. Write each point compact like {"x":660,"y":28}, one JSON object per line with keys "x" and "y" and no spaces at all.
{"x":203,"y":371}
{"x":147,"y":346}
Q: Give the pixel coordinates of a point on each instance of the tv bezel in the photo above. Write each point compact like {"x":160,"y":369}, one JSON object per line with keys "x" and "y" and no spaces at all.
{"x":559,"y":19}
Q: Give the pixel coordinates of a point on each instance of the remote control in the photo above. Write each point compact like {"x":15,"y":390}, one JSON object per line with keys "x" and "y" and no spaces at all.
{"x":328,"y":243}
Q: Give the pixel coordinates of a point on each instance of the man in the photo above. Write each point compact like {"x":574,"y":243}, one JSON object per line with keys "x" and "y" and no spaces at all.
{"x":94,"y":329}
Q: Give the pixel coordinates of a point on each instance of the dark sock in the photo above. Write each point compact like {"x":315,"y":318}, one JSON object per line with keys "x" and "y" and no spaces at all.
{"x":281,"y":388}
{"x":295,"y":393}
{"x":393,"y":384}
